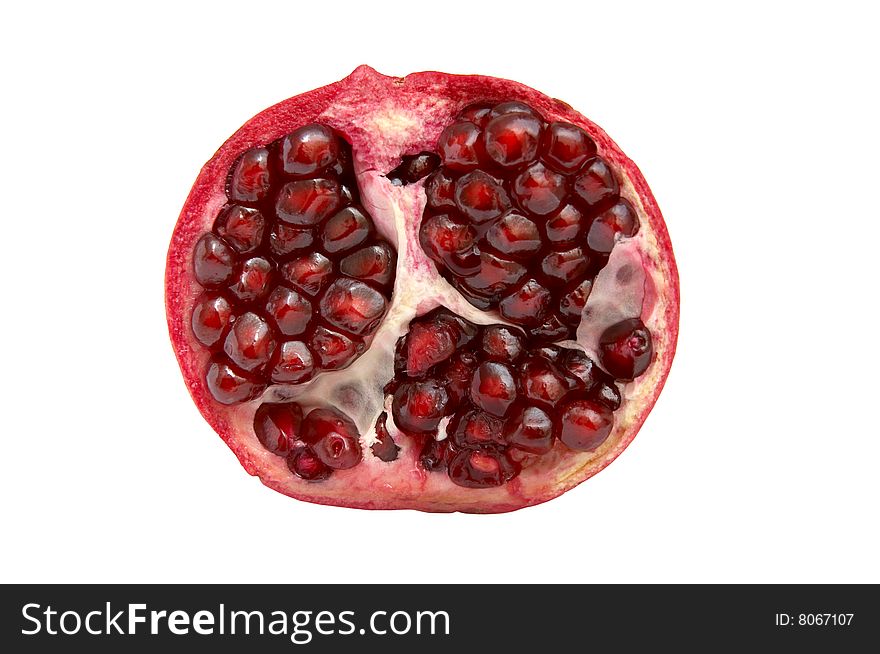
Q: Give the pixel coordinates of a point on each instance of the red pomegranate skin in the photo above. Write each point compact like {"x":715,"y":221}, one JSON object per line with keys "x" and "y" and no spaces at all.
{"x":384,"y":118}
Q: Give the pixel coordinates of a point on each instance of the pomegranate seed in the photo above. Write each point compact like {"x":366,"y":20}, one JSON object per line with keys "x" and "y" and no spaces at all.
{"x":291,"y":311}
{"x":512,"y":107}
{"x":305,"y":464}
{"x":580,"y":366}
{"x":374,"y":263}
{"x":571,"y":306}
{"x":229,"y":387}
{"x":253,"y":281}
{"x":419,"y":406}
{"x":512,"y":139}
{"x":625,"y":349}
{"x":458,"y":373}
{"x":585,"y":425}
{"x":277,"y":426}
{"x":309,"y":149}
{"x":527,"y":305}
{"x":596,"y":185}
{"x":440,"y":190}
{"x":213,"y":261}
{"x":493,"y":388}
{"x":501,"y":343}
{"x":479,"y":469}
{"x":384,"y":449}
{"x":476,"y":428}
{"x":552,"y":329}
{"x":563,"y":267}
{"x":433,"y":455}
{"x":210,"y":318}
{"x":309,"y":273}
{"x":241,"y":227}
{"x":345,"y":230}
{"x":249,"y":343}
{"x":249,"y":178}
{"x":353,"y":306}
{"x":334,"y":438}
{"x":539,"y":190}
{"x":294,"y":363}
{"x":285,"y":239}
{"x":529,"y":429}
{"x":333,"y":350}
{"x":308,"y":201}
{"x":477,"y":113}
{"x":480,"y":197}
{"x":606,"y":393}
{"x":459,"y":146}
{"x":619,"y":220}
{"x":565,"y":227}
{"x":567,"y":147}
{"x":412,"y":168}
{"x":514,"y":235}
{"x":496,"y":275}
{"x":442,"y":237}
{"x":426,"y":345}
{"x":543,"y":383}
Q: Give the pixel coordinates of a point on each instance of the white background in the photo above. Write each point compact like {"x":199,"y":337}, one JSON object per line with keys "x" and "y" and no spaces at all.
{"x":757,"y":128}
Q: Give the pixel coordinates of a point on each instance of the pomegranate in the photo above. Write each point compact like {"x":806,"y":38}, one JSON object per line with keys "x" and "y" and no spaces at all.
{"x":437,"y":292}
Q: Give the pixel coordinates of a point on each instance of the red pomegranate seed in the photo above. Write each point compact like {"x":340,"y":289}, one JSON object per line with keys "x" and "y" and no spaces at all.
{"x":277,"y":426}
{"x":493,"y":388}
{"x":249,"y":178}
{"x":345,"y":230}
{"x":440,"y":190}
{"x":309,"y":273}
{"x":580,"y":366}
{"x":291,"y":311}
{"x":309,"y":150}
{"x":418,"y":406}
{"x":496,"y":275}
{"x":567,"y":147}
{"x":543,"y":383}
{"x":210,"y":318}
{"x":618,"y":221}
{"x":373,"y":263}
{"x":571,"y":305}
{"x":477,"y":113}
{"x":539,"y":190}
{"x":426,"y":345}
{"x":433,"y":454}
{"x":476,"y":428}
{"x":458,"y":373}
{"x":250,"y":343}
{"x":480,"y":197}
{"x":304,"y":463}
{"x":527,"y":305}
{"x":480,"y":469}
{"x":241,"y":227}
{"x":333,"y":350}
{"x":607,"y":394}
{"x":285,"y":239}
{"x":229,"y":387}
{"x":308,"y":201}
{"x":514,"y":235}
{"x":253,"y":280}
{"x":512,"y":139}
{"x":501,"y":343}
{"x":596,"y":185}
{"x":213,"y":261}
{"x":293,"y":363}
{"x":459,"y":146}
{"x":333,"y":437}
{"x":512,"y":107}
{"x":585,"y":425}
{"x":564,"y":267}
{"x":552,"y":329}
{"x":443,"y":236}
{"x":625,"y":349}
{"x":353,"y":306}
{"x":530,"y":429}
{"x":565,"y":228}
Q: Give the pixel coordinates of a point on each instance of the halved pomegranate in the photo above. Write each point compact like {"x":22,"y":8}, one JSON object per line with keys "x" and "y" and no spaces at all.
{"x":437,"y":292}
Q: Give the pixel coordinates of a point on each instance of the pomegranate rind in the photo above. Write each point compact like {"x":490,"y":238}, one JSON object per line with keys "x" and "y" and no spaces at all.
{"x":384,"y":117}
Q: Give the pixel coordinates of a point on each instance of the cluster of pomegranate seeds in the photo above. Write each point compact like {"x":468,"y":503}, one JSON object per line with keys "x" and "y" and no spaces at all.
{"x":522,"y":214}
{"x":314,"y":446}
{"x":506,"y":399}
{"x":296,"y":279}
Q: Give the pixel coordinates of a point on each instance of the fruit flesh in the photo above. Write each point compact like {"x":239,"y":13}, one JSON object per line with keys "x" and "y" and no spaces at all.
{"x":639,"y":280}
